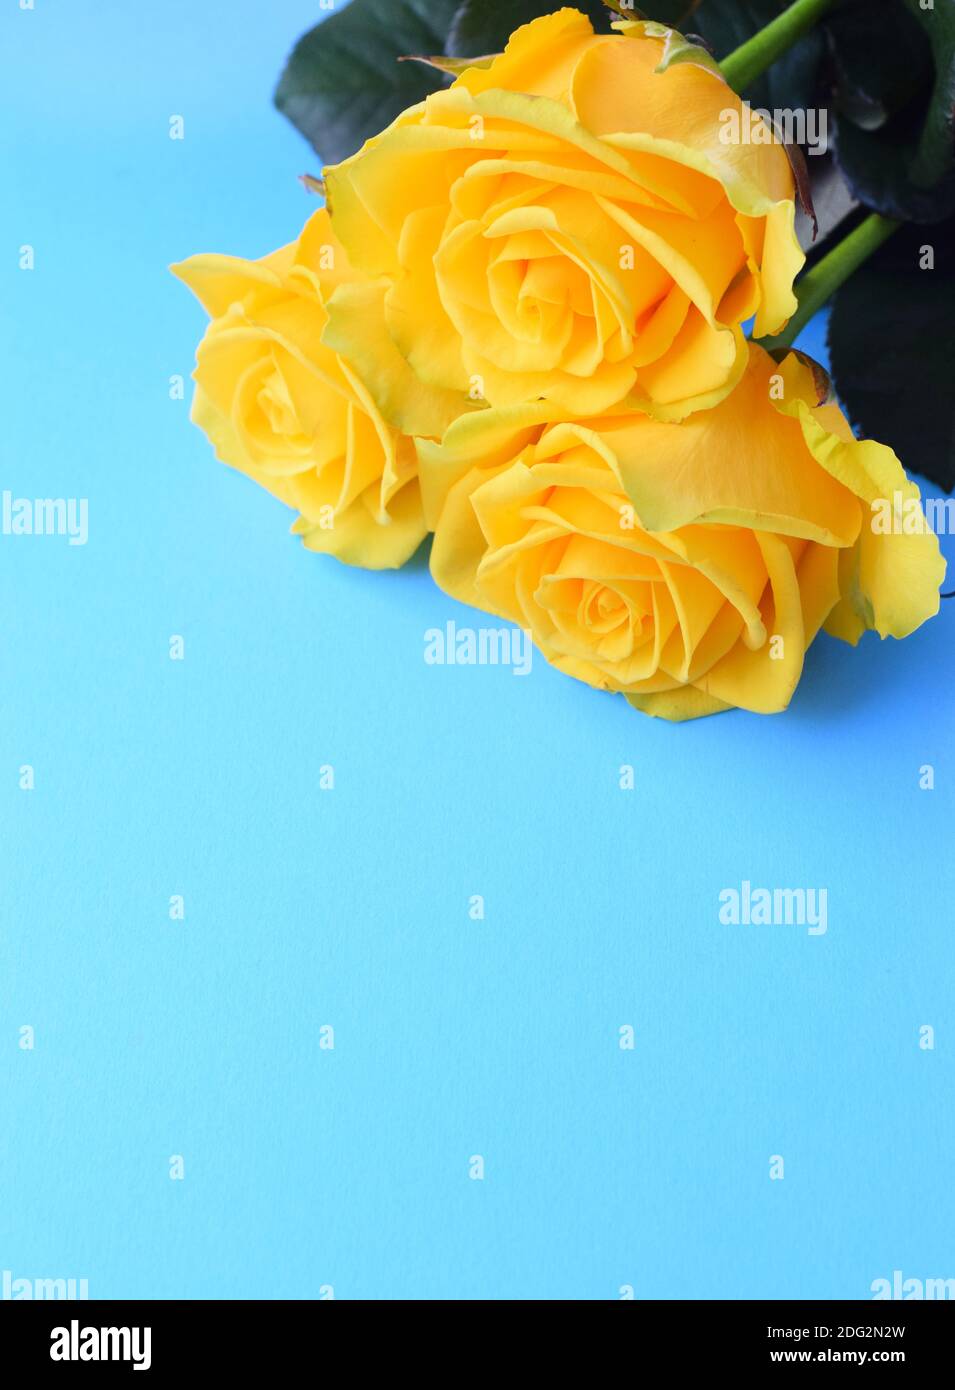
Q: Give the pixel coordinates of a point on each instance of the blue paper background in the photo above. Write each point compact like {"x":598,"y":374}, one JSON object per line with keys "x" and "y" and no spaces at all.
{"x":305,"y":1167}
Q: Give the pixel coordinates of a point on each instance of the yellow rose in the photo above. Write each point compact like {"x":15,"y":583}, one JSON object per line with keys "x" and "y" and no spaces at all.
{"x":687,"y":565}
{"x":284,"y":407}
{"x":568,"y":223}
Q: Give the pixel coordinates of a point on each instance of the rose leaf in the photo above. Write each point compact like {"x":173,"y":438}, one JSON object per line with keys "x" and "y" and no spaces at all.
{"x":343,"y":82}
{"x":893,"y":352}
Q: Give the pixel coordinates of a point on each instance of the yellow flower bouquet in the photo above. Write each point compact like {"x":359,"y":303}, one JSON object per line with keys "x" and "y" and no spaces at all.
{"x":547,"y":315}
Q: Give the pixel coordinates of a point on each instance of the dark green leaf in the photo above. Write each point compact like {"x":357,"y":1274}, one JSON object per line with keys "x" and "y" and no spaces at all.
{"x":892,"y":350}
{"x":895,"y":105}
{"x":877,"y":167}
{"x":935,"y":157}
{"x":343,"y":82}
{"x":878,"y":67}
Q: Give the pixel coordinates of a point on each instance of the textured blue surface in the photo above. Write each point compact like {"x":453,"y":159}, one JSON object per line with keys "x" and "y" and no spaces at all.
{"x":307,"y":1167}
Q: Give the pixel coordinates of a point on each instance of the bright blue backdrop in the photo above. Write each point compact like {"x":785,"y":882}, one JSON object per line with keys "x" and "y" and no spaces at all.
{"x":307,"y":1167}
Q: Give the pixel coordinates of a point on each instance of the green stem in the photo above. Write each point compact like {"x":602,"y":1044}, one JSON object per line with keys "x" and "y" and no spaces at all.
{"x":817,"y":285}
{"x":742,"y":67}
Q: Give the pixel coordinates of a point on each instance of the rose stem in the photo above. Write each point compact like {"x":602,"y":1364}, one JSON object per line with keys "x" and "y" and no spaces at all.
{"x":746,"y":63}
{"x":817,"y":285}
